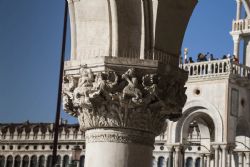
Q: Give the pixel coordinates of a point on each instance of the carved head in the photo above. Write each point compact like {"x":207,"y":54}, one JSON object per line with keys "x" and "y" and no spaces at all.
{"x":131,"y":72}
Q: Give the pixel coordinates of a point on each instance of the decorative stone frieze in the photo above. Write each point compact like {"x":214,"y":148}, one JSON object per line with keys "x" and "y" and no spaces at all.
{"x":128,"y":98}
{"x":121,"y":136}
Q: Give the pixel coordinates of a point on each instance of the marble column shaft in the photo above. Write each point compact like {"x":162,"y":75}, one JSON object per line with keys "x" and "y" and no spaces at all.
{"x":224,"y":155}
{"x":247,"y":159}
{"x":177,"y":156}
{"x":208,"y":160}
{"x":216,"y":155}
{"x":241,"y":159}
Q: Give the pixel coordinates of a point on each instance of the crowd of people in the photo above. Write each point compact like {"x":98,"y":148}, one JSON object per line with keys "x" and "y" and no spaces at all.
{"x":208,"y":57}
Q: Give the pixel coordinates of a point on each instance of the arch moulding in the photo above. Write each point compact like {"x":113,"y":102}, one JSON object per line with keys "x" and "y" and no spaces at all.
{"x":196,"y":108}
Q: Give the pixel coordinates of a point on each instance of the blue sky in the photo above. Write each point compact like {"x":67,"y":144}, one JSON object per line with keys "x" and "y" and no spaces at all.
{"x":30,"y":44}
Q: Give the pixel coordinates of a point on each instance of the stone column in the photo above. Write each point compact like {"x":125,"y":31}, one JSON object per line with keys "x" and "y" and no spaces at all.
{"x":229,"y":157}
{"x":120,"y":96}
{"x":202,"y":163}
{"x":118,"y":147}
{"x":236,"y":40}
{"x":122,"y":112}
{"x":170,"y":156}
{"x":238,"y":9}
{"x":224,"y":155}
{"x":164,"y":162}
{"x":21,"y":160}
{"x":154,"y":162}
{"x":241,"y":159}
{"x":247,"y":160}
{"x":177,"y":156}
{"x":208,"y":160}
{"x":216,"y":155}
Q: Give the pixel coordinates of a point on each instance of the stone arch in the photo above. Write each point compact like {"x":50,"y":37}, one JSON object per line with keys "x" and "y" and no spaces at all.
{"x":25,"y":162}
{"x":58,"y":160}
{"x":195,"y":108}
{"x":197,"y":162}
{"x":9,"y":162}
{"x":33,"y":161}
{"x":17,"y":162}
{"x":171,"y":24}
{"x":65,"y":161}
{"x":189,"y":162}
{"x":41,"y":161}
{"x":160,"y":162}
{"x":49,"y":161}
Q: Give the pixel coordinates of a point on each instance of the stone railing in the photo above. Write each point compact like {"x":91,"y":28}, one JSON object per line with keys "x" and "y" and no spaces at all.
{"x":241,"y":25}
{"x":215,"y":68}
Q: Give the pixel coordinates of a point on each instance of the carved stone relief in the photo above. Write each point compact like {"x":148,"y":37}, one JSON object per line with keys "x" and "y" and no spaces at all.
{"x":127,"y":100}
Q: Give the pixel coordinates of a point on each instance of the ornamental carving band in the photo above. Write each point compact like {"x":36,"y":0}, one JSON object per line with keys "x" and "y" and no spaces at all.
{"x":120,"y":138}
{"x":130,"y":99}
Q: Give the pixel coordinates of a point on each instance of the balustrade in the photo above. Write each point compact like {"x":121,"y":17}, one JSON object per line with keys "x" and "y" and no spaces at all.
{"x":216,"y":68}
{"x":241,"y":25}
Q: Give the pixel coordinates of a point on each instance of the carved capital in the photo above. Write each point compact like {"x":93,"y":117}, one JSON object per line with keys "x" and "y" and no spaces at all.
{"x":132,"y":99}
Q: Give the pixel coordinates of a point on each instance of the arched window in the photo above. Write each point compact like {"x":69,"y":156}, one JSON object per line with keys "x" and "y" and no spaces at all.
{"x":41,"y":161}
{"x":197,"y":162}
{"x":65,"y":161}
{"x":82,"y":158}
{"x":2,"y":161}
{"x":160,"y":162}
{"x":25,"y":161}
{"x":58,"y":160}
{"x":9,"y":161}
{"x":17,"y":162}
{"x":49,"y":161}
{"x":189,"y":162}
{"x":33,"y":161}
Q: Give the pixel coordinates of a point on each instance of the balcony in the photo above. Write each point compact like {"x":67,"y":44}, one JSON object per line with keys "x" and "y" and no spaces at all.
{"x":242,"y":26}
{"x":216,"y":69}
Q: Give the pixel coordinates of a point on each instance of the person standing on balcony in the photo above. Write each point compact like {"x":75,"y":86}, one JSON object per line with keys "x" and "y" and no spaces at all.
{"x":190,"y":60}
{"x":235,"y":59}
{"x":185,"y":55}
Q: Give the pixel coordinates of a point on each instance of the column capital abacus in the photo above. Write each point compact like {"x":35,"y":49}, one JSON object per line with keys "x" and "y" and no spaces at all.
{"x":216,"y":146}
{"x":178,"y":148}
{"x":170,"y":148}
{"x":224,"y":146}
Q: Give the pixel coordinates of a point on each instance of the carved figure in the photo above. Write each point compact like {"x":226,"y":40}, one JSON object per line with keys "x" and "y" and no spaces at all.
{"x":103,"y":86}
{"x":131,"y":90}
{"x":150,"y":84}
{"x":103,"y":100}
{"x":85,"y":84}
{"x":69,"y":84}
